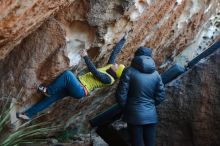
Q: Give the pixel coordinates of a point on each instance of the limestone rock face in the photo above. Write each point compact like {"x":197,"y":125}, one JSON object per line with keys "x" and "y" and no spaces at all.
{"x":190,"y":114}
{"x":20,"y":18}
{"x":40,"y":39}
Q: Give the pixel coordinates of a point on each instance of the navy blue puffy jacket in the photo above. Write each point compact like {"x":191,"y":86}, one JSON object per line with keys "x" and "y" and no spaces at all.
{"x":140,"y":89}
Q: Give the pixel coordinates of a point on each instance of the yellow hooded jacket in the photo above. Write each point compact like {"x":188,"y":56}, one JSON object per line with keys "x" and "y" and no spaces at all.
{"x":90,"y":82}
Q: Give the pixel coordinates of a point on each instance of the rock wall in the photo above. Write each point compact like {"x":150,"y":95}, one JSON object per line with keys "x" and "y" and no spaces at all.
{"x":39,"y":40}
{"x":190,"y":115}
{"x":20,"y":18}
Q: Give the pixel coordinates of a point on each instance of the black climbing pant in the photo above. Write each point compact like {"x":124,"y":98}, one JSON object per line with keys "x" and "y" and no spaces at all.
{"x":142,"y":133}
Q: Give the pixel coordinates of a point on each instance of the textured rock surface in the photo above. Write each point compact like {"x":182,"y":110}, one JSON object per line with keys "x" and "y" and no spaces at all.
{"x":38,"y":40}
{"x":20,"y":18}
{"x":24,"y":71}
{"x":191,"y":113}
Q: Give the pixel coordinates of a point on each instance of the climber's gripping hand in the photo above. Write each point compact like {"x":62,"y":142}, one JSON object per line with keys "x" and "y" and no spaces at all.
{"x":83,"y":53}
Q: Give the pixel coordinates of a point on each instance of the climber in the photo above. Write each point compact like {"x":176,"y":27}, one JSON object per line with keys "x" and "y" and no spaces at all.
{"x":140,"y":89}
{"x":67,"y":84}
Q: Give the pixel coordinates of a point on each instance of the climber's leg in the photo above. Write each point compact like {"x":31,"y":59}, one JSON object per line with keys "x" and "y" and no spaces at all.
{"x":44,"y":103}
{"x":67,"y":84}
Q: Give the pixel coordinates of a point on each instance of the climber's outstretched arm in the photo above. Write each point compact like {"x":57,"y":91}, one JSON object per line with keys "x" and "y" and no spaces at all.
{"x":99,"y":75}
{"x":116,"y":50}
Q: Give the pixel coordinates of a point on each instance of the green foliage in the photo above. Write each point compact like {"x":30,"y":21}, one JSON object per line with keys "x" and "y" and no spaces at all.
{"x":66,"y":135}
{"x":28,"y":133}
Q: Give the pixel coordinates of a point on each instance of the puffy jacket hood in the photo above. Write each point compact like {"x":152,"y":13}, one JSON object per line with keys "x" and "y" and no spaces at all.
{"x":144,"y":64}
{"x":143,"y":51}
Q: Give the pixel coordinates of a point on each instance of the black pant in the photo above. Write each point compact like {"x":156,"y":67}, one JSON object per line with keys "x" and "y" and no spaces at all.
{"x":140,"y":134}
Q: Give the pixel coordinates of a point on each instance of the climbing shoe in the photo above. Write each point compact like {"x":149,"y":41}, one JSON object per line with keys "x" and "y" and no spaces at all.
{"x":22,"y":116}
{"x":42,"y":89}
